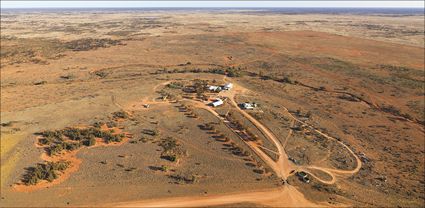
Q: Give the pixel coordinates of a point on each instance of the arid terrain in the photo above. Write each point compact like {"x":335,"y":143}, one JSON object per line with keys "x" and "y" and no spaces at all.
{"x":113,"y":108}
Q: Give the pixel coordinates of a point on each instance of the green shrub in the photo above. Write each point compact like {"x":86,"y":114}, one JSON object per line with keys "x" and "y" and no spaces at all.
{"x":163,"y":168}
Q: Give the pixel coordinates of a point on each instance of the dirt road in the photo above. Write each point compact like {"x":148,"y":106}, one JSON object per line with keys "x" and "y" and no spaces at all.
{"x":287,"y":196}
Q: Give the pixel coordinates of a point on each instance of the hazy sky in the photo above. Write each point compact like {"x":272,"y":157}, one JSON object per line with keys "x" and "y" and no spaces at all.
{"x":38,"y":4}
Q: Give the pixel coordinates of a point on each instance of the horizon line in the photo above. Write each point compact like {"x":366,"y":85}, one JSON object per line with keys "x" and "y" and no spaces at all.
{"x":213,"y":4}
{"x":221,"y":7}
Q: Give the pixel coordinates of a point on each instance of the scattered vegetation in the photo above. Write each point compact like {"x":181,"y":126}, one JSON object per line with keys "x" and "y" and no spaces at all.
{"x":395,"y":111}
{"x":86,"y":44}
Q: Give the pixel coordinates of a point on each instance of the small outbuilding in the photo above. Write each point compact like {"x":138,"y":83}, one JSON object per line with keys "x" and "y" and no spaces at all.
{"x":214,"y":88}
{"x":217,"y":102}
{"x":248,"y":106}
{"x":303,"y":176}
{"x":228,"y":86}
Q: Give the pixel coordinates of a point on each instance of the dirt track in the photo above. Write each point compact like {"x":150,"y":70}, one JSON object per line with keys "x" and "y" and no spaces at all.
{"x":286,"y":196}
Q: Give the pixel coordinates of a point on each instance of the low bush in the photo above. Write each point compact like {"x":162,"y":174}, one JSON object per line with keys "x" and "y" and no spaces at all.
{"x":175,"y":85}
{"x":120,"y":114}
{"x":151,"y":132}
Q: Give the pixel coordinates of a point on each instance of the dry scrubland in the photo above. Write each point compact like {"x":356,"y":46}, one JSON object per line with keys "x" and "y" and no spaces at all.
{"x":75,"y":131}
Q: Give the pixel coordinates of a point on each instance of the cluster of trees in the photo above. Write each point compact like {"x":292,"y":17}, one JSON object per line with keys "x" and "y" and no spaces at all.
{"x":73,"y":138}
{"x":56,"y":148}
{"x":239,"y":126}
{"x":200,"y":86}
{"x":171,"y":150}
{"x":281,"y":78}
{"x":45,"y":171}
{"x":229,"y":71}
{"x":91,"y":133}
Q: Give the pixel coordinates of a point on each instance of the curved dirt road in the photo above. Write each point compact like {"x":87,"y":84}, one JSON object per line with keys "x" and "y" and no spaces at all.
{"x":283,"y":163}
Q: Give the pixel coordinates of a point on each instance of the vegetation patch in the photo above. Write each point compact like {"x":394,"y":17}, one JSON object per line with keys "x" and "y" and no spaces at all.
{"x":150,"y":132}
{"x":87,"y":44}
{"x":48,"y":171}
{"x":69,"y":139}
{"x":171,"y":149}
{"x":395,"y":111}
{"x":184,"y":179}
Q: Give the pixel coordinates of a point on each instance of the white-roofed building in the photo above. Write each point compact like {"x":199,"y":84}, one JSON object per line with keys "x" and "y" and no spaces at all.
{"x":217,"y":102}
{"x":228,"y":86}
{"x":214,"y":88}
